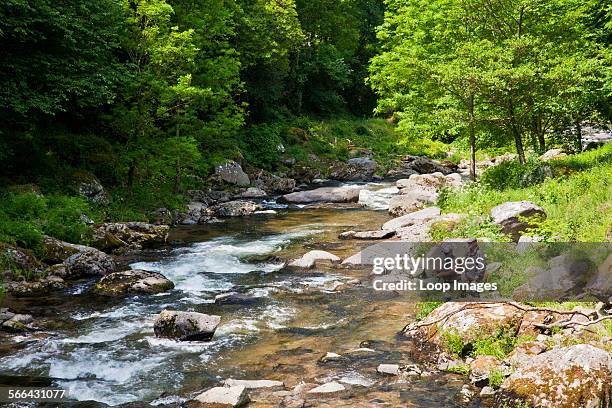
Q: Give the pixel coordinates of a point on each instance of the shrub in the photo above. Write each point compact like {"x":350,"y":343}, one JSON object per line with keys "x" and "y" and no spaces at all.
{"x":26,"y":217}
{"x":496,"y":378}
{"x":262,"y":145}
{"x":511,"y":174}
{"x":453,"y":343}
{"x":498,"y":345}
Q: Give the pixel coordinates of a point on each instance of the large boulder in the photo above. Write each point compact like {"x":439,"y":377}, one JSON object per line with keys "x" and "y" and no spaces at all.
{"x":420,"y":190}
{"x":132,"y":282}
{"x":419,"y":165}
{"x":432,"y":182}
{"x":129,"y":235}
{"x":420,"y":231}
{"x":55,"y":251}
{"x":90,"y":262}
{"x":270,"y":183}
{"x":238,"y":208}
{"x":196,"y":213}
{"x":186,"y":326}
{"x":553,"y":154}
{"x":348,"y":194}
{"x":358,"y":168}
{"x":410,"y":202}
{"x":467,"y":321}
{"x":253,"y":192}
{"x":412,"y":218}
{"x":14,"y":257}
{"x":210,"y":197}
{"x":516,"y":217}
{"x":15,"y":322}
{"x":377,"y":199}
{"x":568,"y":377}
{"x":232,"y":173}
{"x":309,"y":259}
{"x":41,"y":285}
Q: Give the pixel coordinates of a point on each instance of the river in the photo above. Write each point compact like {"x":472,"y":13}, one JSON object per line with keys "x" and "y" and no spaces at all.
{"x":104,"y":350}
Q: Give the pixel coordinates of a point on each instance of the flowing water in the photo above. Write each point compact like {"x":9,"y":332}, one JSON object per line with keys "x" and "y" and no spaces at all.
{"x":104,"y":350}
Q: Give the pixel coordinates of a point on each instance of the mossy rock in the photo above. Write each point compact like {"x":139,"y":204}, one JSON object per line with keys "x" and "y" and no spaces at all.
{"x":132,"y":282}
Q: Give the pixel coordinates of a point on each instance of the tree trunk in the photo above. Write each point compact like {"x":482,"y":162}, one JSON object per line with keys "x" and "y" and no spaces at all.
{"x":472,"y":138}
{"x":518,"y":142}
{"x":518,"y":139}
{"x":578,"y":136}
{"x":542,"y":142}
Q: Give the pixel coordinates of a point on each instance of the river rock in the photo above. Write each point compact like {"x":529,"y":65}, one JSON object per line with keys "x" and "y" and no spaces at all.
{"x":129,"y":235}
{"x":428,"y":182}
{"x":235,"y":298}
{"x":91,"y":188}
{"x":270,"y":183}
{"x":309,"y":259}
{"x":553,"y":154}
{"x":378,"y":199}
{"x":41,"y":285}
{"x":468,"y":320}
{"x":372,"y":235}
{"x":15,"y":322}
{"x":135,"y":281}
{"x":210,"y":197}
{"x":238,"y":208}
{"x":355,"y":169}
{"x":567,"y":377}
{"x":412,"y":218}
{"x":253,"y":192}
{"x":349,"y":194}
{"x":482,"y":367}
{"x":88,"y":263}
{"x":388,"y":369}
{"x":253,"y":384}
{"x":408,"y":203}
{"x":420,"y":231}
{"x":232,"y":173}
{"x":328,"y":388}
{"x":196,"y":214}
{"x":186,"y":326}
{"x":19,"y":258}
{"x":55,"y":251}
{"x":222,"y":397}
{"x":507,"y":216}
{"x":419,"y":165}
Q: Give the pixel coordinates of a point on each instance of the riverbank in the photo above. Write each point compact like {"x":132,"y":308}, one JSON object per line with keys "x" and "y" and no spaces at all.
{"x":304,"y":327}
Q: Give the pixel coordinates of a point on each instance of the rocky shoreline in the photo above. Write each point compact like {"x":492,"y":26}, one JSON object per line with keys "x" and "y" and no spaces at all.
{"x":567,"y":367}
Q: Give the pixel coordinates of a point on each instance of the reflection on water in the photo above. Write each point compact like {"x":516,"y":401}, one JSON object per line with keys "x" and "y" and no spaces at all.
{"x":105,"y":350}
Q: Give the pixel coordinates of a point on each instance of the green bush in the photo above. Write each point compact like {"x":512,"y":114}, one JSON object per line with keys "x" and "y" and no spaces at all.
{"x":261,"y":145}
{"x":25,"y":218}
{"x":512,"y":174}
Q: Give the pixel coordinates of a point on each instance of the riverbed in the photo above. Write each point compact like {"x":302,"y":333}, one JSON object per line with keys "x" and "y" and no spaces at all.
{"x":104,"y":351}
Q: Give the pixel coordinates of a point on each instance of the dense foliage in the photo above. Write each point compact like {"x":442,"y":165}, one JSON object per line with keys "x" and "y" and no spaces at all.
{"x":510,"y":69}
{"x":142,"y":93}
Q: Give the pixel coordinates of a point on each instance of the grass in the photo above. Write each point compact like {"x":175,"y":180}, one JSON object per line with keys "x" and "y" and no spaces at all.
{"x":425,"y":308}
{"x":333,"y":139}
{"x":578,"y":203}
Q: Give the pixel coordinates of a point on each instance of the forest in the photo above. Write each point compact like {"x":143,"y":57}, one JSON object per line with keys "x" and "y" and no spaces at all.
{"x":151,"y":95}
{"x":193,"y":194}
